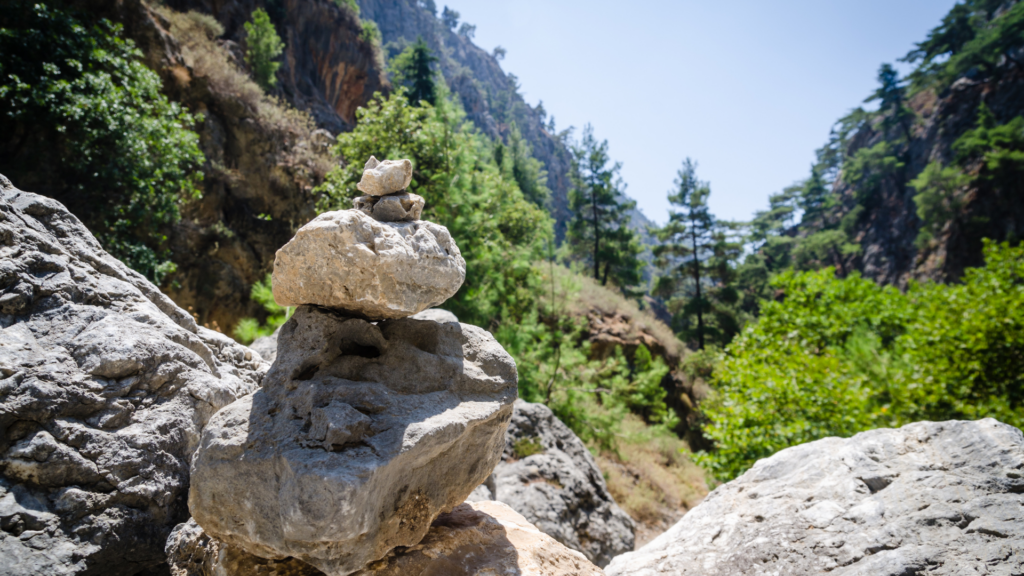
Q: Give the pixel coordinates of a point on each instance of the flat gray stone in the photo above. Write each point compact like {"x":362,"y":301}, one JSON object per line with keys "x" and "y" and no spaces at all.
{"x":942,"y":498}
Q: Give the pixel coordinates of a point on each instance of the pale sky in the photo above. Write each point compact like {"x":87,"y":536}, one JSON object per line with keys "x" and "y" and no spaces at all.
{"x":749,"y":89}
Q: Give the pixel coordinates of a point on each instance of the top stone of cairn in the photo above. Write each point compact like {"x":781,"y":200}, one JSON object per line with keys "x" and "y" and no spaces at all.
{"x":387,"y":177}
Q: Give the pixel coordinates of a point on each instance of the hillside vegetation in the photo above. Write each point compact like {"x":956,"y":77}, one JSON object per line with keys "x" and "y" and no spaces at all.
{"x":826,"y":314}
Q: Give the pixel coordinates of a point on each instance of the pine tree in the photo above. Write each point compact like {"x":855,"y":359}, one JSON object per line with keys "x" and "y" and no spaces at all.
{"x":450,"y":18}
{"x":698,"y":253}
{"x":892,"y":94}
{"x":598,"y":233}
{"x":263,"y":46}
{"x":414,"y":68}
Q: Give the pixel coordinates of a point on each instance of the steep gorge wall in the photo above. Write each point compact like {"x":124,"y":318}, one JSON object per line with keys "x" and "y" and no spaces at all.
{"x":888,"y":226}
{"x":487,"y":93}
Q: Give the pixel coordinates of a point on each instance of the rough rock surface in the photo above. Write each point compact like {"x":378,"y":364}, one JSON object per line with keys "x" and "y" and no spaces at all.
{"x":346,"y":260}
{"x":105,"y":385}
{"x":381,"y":178}
{"x":559,"y":489}
{"x":404,"y":207}
{"x":436,"y":314}
{"x":415,"y":415}
{"x":190,"y":552}
{"x":484,"y":538}
{"x":266,"y":346}
{"x":938,"y":498}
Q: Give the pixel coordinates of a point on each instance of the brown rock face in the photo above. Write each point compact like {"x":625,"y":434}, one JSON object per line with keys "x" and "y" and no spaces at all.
{"x":484,"y":538}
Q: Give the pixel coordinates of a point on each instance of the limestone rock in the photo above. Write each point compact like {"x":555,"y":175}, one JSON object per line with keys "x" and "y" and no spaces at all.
{"x":105,"y":386}
{"x":437,"y":397}
{"x":266,"y":346}
{"x":436,"y":314}
{"x":404,"y":207}
{"x":190,"y":552}
{"x":927,"y":498}
{"x":484,"y":538}
{"x":348,"y":261}
{"x":559,"y":489}
{"x":382,"y":178}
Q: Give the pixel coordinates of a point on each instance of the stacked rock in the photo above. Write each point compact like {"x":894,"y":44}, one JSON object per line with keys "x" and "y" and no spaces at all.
{"x":384,"y":184}
{"x":369,"y":424}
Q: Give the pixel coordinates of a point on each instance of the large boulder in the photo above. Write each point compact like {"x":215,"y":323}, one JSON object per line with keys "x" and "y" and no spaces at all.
{"x":484,"y":538}
{"x":361,"y":435}
{"x":346,"y":260}
{"x":105,"y":386}
{"x":473,"y":539}
{"x":548,"y":475}
{"x":928,"y":498}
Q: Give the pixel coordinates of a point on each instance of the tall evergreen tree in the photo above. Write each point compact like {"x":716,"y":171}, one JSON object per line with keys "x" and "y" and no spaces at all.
{"x":598,"y":232}
{"x":263,"y":46}
{"x":697,"y":253}
{"x":892,"y":94}
{"x":414,"y":68}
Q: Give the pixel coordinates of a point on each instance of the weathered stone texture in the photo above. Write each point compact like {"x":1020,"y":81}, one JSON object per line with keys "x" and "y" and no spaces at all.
{"x":381,"y":178}
{"x":559,"y":489}
{"x":482,"y":538}
{"x":348,"y":261}
{"x":937,"y":498}
{"x":361,"y":435}
{"x":105,"y":385}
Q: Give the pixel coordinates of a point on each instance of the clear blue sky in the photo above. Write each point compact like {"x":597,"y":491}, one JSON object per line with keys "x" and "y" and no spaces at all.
{"x":749,"y":89}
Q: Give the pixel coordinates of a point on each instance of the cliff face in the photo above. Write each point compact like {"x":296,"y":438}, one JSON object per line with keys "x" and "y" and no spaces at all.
{"x":888,"y":226}
{"x":486,"y":92}
{"x":327,"y":69}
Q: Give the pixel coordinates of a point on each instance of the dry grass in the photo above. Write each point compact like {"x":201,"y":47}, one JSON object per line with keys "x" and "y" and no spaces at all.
{"x":578,"y":294}
{"x":197,"y":33}
{"x":651,"y":477}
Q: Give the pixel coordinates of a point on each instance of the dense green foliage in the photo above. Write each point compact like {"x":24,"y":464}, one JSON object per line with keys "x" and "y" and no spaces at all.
{"x":599,"y":233}
{"x":125,"y":153}
{"x":838,"y":356}
{"x":262,"y":48}
{"x":249,"y":329}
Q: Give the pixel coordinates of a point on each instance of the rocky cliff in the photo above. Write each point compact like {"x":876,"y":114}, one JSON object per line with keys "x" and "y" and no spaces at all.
{"x":888,"y":224}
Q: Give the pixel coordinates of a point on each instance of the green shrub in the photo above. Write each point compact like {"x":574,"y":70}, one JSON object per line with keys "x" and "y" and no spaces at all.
{"x":370,"y":33}
{"x":249,"y":329}
{"x":126,"y":153}
{"x":263,"y":46}
{"x":840,"y":356}
{"x":525,"y":447}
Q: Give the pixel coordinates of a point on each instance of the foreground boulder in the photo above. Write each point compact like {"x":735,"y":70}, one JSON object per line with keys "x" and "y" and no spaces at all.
{"x":549,"y":476}
{"x":346,"y":260}
{"x":928,"y":498}
{"x":361,"y":435}
{"x":473,"y":539}
{"x":105,"y":386}
{"x":484,"y":538}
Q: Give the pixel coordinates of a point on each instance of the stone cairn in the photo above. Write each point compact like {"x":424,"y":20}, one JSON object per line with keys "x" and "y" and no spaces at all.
{"x":369,"y":424}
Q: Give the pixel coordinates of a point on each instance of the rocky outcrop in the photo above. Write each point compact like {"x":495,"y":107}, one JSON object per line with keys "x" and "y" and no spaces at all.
{"x":473,"y":539}
{"x":363,"y":433}
{"x":931,"y":497}
{"x":348,"y":261}
{"x":549,"y":476}
{"x":105,"y":386}
{"x":484,"y":538}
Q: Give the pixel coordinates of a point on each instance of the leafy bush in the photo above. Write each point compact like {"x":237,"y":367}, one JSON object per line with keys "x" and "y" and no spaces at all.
{"x":249,"y":329}
{"x":937,"y":198}
{"x":840,"y":356}
{"x":126,"y":154}
{"x":370,"y":33}
{"x":263,"y":46}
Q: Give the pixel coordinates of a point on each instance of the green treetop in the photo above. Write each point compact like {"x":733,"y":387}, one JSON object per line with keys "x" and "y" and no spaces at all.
{"x":414,"y":69}
{"x":697,"y":252}
{"x":598,"y":233}
{"x":263,"y":46}
{"x":892,"y":96}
